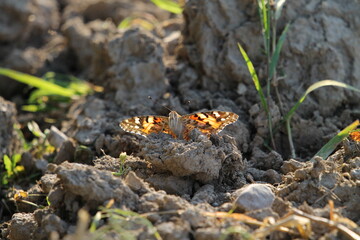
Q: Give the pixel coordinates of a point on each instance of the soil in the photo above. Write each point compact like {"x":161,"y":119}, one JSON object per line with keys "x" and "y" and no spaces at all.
{"x":171,"y":188}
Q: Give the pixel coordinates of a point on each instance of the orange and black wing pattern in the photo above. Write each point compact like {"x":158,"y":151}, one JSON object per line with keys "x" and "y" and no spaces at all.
{"x":145,"y":125}
{"x":209,"y":122}
{"x":355,"y":135}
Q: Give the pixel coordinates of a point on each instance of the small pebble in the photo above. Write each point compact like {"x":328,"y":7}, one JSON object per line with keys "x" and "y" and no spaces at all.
{"x":253,"y":197}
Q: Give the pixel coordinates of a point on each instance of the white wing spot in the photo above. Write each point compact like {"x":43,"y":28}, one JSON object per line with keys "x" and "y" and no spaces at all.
{"x":137,"y":127}
{"x":137,"y":120}
{"x":223,"y":119}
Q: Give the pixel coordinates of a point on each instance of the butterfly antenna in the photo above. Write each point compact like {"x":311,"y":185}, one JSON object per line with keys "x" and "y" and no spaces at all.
{"x":150,"y":98}
{"x":168,"y":108}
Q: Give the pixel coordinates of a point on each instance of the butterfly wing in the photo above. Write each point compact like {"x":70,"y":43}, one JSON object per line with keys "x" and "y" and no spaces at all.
{"x":355,"y":135}
{"x":145,"y":125}
{"x":209,"y":122}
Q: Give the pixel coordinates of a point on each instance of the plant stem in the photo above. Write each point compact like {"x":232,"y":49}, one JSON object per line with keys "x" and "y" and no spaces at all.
{"x":269,"y":53}
{"x":291,"y":143}
{"x":274,"y":78}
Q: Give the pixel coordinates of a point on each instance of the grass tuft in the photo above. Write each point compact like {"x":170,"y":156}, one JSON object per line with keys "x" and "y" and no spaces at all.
{"x":269,"y":15}
{"x":51,"y":90}
{"x":288,"y":116}
{"x":123,"y":170}
{"x":126,"y":224}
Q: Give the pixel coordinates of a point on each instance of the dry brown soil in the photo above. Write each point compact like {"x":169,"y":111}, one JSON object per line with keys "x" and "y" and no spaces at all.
{"x":187,"y":63}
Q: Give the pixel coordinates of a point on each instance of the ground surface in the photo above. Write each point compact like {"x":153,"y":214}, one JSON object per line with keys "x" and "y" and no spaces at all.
{"x":187,"y":63}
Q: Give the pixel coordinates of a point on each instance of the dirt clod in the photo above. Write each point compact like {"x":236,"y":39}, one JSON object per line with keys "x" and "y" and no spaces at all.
{"x":51,"y":223}
{"x":48,"y":181}
{"x":171,"y":184}
{"x":199,"y":159}
{"x":179,"y":230}
{"x":22,"y":224}
{"x":136,"y":184}
{"x":97,"y":185}
{"x":66,"y":152}
{"x":205,"y":194}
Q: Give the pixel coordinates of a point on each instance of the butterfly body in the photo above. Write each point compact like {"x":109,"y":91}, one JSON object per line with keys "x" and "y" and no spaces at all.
{"x":179,"y":126}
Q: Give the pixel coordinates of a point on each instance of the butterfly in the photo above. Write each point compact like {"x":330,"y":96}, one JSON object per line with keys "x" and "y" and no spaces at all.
{"x":355,"y":135}
{"x":179,"y":126}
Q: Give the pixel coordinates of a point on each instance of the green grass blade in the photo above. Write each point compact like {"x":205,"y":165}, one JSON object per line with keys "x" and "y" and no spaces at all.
{"x":125,"y":23}
{"x":254,"y":77}
{"x":315,"y":86}
{"x":32,"y":108}
{"x":38,"y":93}
{"x":168,"y":5}
{"x":136,"y":21}
{"x":35,"y":129}
{"x":240,"y":231}
{"x":80,"y":87}
{"x":95,"y":222}
{"x":37,"y":82}
{"x":265,"y":24}
{"x":275,"y":56}
{"x":330,"y":146}
{"x":278,"y":8}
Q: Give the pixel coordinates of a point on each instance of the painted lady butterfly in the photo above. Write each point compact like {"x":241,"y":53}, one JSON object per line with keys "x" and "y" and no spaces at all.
{"x":355,"y":135}
{"x":179,"y":126}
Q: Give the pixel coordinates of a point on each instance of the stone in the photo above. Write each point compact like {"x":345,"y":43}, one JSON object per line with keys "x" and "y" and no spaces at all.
{"x":253,"y":197}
